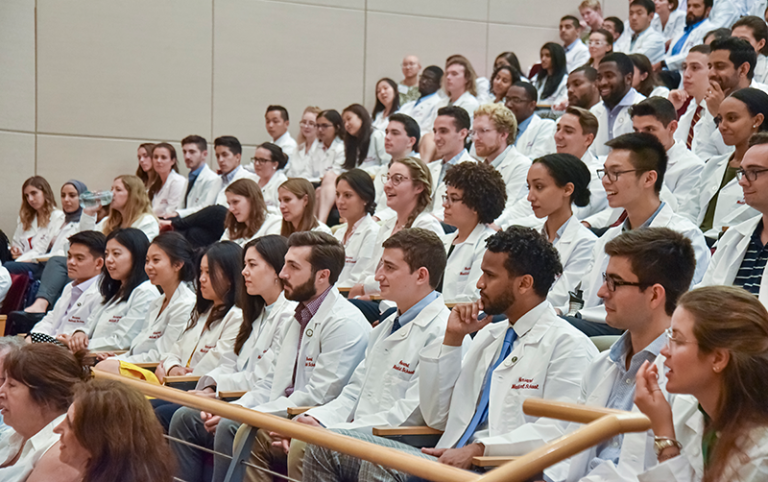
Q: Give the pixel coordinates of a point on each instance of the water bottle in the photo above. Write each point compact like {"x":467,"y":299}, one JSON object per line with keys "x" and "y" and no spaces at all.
{"x":92,"y":199}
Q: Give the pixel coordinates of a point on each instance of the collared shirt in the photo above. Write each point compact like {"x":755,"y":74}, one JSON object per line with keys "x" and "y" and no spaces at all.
{"x":622,"y":395}
{"x":31,"y":450}
{"x":750,"y":273}
{"x":521,"y":127}
{"x":227,"y":178}
{"x":626,"y":101}
{"x":77,"y":291}
{"x":678,"y":47}
{"x":303,"y":314}
{"x":647,"y":224}
{"x":194,"y":174}
{"x":559,"y":232}
{"x":425,"y":98}
{"x":447,"y":164}
{"x":412,"y":312}
{"x":500,"y":158}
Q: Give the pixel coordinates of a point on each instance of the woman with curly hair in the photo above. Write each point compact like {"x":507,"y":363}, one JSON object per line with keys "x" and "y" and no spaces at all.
{"x":475,"y":196}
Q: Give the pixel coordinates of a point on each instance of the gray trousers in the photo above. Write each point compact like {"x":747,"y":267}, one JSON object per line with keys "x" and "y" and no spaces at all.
{"x":188,"y":426}
{"x":325,"y":465}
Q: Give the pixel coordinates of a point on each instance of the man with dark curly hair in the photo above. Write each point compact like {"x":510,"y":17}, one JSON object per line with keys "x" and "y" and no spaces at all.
{"x":475,"y":196}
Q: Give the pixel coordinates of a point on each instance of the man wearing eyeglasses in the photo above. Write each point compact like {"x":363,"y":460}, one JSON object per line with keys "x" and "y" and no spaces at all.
{"x":742,"y":252}
{"x":534,"y":134}
{"x":647,"y":272}
{"x":633,"y":176}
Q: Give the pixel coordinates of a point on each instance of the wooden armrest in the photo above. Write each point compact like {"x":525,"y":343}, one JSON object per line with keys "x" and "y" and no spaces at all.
{"x":293,"y":411}
{"x":43,"y":259}
{"x":148,"y":365}
{"x":3,"y":319}
{"x":396,"y":431}
{"x":451,"y":305}
{"x":491,"y":461}
{"x":233,"y":395}
{"x":181,"y":379}
{"x":375,"y":297}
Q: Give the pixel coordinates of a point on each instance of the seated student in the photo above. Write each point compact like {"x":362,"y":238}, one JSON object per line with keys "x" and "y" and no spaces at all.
{"x":576,"y":130}
{"x":424,"y":109}
{"x":551,"y":80}
{"x":615,"y":26}
{"x":614,"y":79}
{"x":268,"y":163}
{"x":632,"y":177}
{"x":126,"y":296}
{"x":503,"y":77}
{"x":144,"y":154}
{"x":297,"y":205}
{"x":716,"y":353}
{"x":167,"y":188}
{"x":330,"y":132}
{"x":669,"y":21}
{"x":247,"y":215}
{"x":452,"y":126}
{"x":645,"y":80}
{"x":130,"y":208}
{"x":170,"y":266}
{"x":202,"y":182}
{"x":697,"y":24}
{"x":720,"y":201}
{"x":355,"y":201}
{"x":85,"y":261}
{"x":534,"y":134}
{"x":408,"y":89}
{"x":494,"y":135}
{"x":740,"y":257}
{"x":642,"y":38}
{"x":100,"y":410}
{"x":556,"y":182}
{"x":600,"y":45}
{"x":582,"y":88}
{"x":300,"y":163}
{"x":459,"y":84}
{"x":648,"y":271}
{"x":409,"y":194}
{"x":277,"y":122}
{"x":387,"y":103}
{"x":475,"y":196}
{"x":321,"y":359}
{"x":401,"y":140}
{"x":576,"y":53}
{"x":755,"y":31}
{"x":591,"y":14}
{"x":38,"y":384}
{"x":267,"y":315}
{"x":657,"y":116}
{"x":39,"y":219}
{"x":454,"y":394}
{"x":383,"y":391}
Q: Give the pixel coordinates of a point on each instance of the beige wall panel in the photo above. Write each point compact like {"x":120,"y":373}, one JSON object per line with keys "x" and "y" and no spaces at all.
{"x":524,"y":41}
{"x":18,"y":149}
{"x":282,"y":53}
{"x":456,"y":9}
{"x":391,"y":37}
{"x":138,"y":69}
{"x":17,"y":65}
{"x":354,"y":4}
{"x":616,"y":8}
{"x":531,"y":12}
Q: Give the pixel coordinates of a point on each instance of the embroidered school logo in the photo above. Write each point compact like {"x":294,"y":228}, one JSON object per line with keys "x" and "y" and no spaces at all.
{"x":309,"y":362}
{"x":401,"y":366}
{"x":525,"y":384}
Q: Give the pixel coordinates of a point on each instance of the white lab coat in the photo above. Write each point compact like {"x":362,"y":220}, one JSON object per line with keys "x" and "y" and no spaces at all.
{"x":301,"y":163}
{"x":202,"y":349}
{"x":384,"y":389}
{"x":286,"y":143}
{"x":559,"y":95}
{"x":462,"y":271}
{"x":380,"y":122}
{"x":649,"y":43}
{"x":577,"y":56}
{"x":724,"y":13}
{"x":60,"y":245}
{"x":761,"y":69}
{"x":146,"y":223}
{"x":548,"y":360}
{"x":170,"y":197}
{"x":423,"y":220}
{"x":162,"y":330}
{"x":683,"y":174}
{"x":54,"y":323}
{"x":114,"y":325}
{"x":575,"y":248}
{"x":666,"y":218}
{"x":424,"y":111}
{"x":242,"y":371}
{"x":707,"y":139}
{"x":35,"y":241}
{"x":272,"y":225}
{"x":5,"y":283}
{"x":598,"y":201}
{"x":333,"y":344}
{"x":514,"y":171}
{"x":622,"y":124}
{"x":203,"y":192}
{"x":358,"y":251}
{"x":674,"y":27}
{"x":466,"y":101}
{"x":729,"y":254}
{"x":439,"y":190}
{"x":731,"y":208}
{"x":538,"y":139}
{"x":269,"y":191}
{"x":240,"y":173}
{"x":325,"y":160}
{"x":375,"y":157}
{"x":696,"y":37}
{"x":609,"y":215}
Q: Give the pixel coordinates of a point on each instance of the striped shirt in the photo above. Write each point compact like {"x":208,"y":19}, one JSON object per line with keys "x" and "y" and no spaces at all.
{"x":752,"y":266}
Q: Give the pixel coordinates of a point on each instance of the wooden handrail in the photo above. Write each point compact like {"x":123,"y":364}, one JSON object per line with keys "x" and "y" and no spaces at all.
{"x":397,"y":431}
{"x":570,"y":412}
{"x":231,"y":394}
{"x":180,"y":378}
{"x":293,"y":411}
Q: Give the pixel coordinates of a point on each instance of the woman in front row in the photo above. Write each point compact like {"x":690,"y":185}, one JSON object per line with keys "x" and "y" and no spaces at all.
{"x":717,"y":360}
{"x":247,"y":216}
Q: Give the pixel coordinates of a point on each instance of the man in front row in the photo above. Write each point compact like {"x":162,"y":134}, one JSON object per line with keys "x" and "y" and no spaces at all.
{"x":478,"y":402}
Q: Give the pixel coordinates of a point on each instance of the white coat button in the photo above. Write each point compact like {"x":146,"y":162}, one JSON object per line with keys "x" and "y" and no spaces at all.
{"x":628,"y":381}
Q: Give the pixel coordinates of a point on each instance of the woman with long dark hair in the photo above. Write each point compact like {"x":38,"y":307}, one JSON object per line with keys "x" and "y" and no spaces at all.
{"x":551,"y":80}
{"x":247,"y":215}
{"x":504,"y":76}
{"x":144,"y":171}
{"x":645,"y":80}
{"x":387,"y":103}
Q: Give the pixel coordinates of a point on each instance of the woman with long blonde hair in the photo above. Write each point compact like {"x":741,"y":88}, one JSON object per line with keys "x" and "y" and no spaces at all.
{"x":39,"y":218}
{"x":247,"y":215}
{"x":297,"y":205}
{"x":130,"y":208}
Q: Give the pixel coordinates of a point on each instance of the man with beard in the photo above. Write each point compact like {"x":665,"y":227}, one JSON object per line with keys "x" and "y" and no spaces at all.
{"x":318,"y":355}
{"x":697,"y":25}
{"x":614,"y":79}
{"x":582,"y":88}
{"x":533,"y":353}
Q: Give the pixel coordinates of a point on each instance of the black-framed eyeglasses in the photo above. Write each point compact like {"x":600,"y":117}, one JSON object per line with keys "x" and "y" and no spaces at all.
{"x":451,"y":200}
{"x":750,"y":174}
{"x":260,"y":160}
{"x":613,"y":176}
{"x":324,"y":126}
{"x":613,"y":283}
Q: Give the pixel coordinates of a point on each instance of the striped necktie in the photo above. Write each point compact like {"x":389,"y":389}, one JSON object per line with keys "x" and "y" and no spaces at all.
{"x":694,"y":120}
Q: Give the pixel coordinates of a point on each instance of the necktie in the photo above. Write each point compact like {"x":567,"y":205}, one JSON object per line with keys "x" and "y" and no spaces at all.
{"x":396,"y":325}
{"x":694,"y":120}
{"x":481,"y":412}
{"x":623,"y":217}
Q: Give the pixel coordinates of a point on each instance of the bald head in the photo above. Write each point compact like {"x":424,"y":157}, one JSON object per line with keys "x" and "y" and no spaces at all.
{"x":411,"y":68}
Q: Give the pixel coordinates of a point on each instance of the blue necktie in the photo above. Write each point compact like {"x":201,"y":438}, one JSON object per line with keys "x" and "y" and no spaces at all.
{"x":481,"y":413}
{"x":396,"y":325}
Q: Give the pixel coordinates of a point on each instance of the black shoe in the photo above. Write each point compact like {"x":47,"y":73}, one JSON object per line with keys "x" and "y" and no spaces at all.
{"x":21,"y":322}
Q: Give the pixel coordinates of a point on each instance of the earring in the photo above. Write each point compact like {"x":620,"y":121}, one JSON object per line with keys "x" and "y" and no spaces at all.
{"x":716,"y":369}
{"x":754,"y":126}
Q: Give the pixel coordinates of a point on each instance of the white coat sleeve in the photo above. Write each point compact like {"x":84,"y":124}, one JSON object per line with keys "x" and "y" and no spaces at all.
{"x":149,"y":226}
{"x":225,"y":344}
{"x":364,"y":258}
{"x":129,"y":325}
{"x":178,"y":321}
{"x":5,"y":283}
{"x":440,"y":367}
{"x":577,"y":264}
{"x":340,"y":409}
{"x":18,"y":235}
{"x":469,"y":292}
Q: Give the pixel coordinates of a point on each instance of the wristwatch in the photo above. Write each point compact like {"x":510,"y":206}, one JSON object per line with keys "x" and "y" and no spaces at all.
{"x":661,"y":443}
